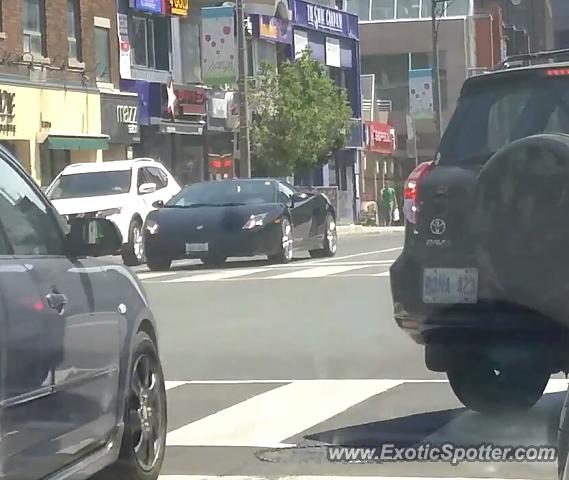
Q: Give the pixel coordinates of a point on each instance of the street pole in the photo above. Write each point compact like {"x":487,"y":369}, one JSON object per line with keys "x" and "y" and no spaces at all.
{"x":435,"y":73}
{"x":244,"y":144}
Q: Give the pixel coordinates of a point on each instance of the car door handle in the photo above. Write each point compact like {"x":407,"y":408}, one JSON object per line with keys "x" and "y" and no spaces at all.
{"x":56,"y":301}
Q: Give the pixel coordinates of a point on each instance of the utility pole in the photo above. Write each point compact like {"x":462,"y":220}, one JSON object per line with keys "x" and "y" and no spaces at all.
{"x":244,"y":145}
{"x":436,"y":72}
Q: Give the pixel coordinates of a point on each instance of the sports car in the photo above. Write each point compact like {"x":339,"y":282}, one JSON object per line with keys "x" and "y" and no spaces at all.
{"x":218,"y":219}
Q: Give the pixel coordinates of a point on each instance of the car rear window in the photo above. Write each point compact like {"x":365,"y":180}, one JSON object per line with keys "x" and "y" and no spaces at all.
{"x":492,"y":113}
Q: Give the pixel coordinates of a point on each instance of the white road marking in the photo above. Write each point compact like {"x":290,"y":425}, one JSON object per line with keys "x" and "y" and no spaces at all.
{"x":170,"y":385}
{"x":363,"y":254}
{"x":316,"y":272}
{"x":220,"y":275}
{"x":383,"y":274}
{"x":556,"y":385}
{"x":148,"y":275}
{"x":290,"y":380}
{"x":268,"y":419}
{"x":315,"y":477}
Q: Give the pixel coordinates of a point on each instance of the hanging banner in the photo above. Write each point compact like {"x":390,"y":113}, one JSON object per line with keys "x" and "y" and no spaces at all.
{"x":421,"y":94}
{"x":218,"y":46}
{"x":124,"y":46}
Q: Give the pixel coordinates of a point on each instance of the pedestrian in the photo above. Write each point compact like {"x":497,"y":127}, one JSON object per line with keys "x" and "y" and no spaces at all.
{"x":389,"y":203}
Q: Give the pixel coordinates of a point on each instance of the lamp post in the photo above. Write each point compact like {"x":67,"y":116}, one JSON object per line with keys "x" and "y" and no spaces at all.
{"x":244,"y":144}
{"x":436,"y":70}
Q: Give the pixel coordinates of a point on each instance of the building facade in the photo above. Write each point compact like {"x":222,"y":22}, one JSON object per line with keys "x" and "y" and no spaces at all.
{"x":53,"y":56}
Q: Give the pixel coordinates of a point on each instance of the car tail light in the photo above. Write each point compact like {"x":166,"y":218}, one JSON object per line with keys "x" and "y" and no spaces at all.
{"x":410,"y":190}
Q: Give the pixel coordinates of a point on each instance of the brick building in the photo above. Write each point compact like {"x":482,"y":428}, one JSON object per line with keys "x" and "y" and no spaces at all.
{"x":58,"y":64}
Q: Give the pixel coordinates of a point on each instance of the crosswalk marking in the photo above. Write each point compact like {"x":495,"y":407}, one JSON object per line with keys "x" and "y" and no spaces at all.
{"x":317,"y":272}
{"x":268,"y":419}
{"x":221,"y":275}
{"x":383,"y":274}
{"x":315,"y":477}
{"x":149,"y":275}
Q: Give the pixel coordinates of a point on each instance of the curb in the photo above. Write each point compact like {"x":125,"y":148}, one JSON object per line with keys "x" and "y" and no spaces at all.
{"x":361,"y":230}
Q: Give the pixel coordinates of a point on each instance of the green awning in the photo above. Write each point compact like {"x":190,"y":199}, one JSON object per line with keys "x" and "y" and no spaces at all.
{"x":77,"y":143}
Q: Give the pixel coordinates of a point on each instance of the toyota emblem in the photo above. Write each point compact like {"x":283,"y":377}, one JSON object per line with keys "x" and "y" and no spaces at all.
{"x":438,"y":226}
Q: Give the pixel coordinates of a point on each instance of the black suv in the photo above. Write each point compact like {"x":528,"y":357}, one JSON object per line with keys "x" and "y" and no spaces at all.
{"x":483,"y":279}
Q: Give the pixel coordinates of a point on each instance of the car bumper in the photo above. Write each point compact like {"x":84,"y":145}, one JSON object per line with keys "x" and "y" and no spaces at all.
{"x":242,"y":243}
{"x":463,"y":324}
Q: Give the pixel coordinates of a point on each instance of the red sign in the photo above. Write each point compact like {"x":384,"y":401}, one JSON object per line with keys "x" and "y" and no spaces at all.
{"x":188,"y":103}
{"x":381,"y":138}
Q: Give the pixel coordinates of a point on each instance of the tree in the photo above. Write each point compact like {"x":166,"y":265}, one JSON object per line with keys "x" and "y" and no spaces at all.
{"x":300,"y":117}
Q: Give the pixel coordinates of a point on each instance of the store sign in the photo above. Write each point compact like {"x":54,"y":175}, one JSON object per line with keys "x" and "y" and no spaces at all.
{"x":7,"y":112}
{"x":120,"y":118}
{"x":381,"y":138}
{"x":151,"y":6}
{"x":178,"y":7}
{"x":124,"y":46}
{"x":421,"y":94}
{"x":324,"y":19}
{"x":188,"y":103}
{"x":274,"y":29}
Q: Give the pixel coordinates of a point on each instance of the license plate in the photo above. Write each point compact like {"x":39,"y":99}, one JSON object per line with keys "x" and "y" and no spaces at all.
{"x":196,"y":247}
{"x":450,"y":285}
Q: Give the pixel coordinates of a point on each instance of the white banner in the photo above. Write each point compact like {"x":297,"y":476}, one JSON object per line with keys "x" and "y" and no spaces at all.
{"x":421,"y":94}
{"x":218,"y":46}
{"x":333,"y":52}
{"x":124,"y":46}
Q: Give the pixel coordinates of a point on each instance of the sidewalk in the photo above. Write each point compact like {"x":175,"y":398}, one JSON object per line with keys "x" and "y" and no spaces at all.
{"x":360,"y":229}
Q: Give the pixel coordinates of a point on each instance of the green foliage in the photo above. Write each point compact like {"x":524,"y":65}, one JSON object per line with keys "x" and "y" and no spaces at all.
{"x":299,"y":117}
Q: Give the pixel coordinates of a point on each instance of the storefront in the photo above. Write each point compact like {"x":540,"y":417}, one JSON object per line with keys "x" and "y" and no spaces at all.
{"x":332,"y":36}
{"x":49,"y":128}
{"x":172,"y":127}
{"x":120,"y":121}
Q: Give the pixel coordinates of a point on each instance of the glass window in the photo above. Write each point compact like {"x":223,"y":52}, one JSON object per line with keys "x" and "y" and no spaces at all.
{"x":408,"y":9}
{"x":156,"y":176}
{"x":91,"y":184}
{"x":266,"y":53}
{"x":457,"y":8}
{"x":285,"y":194}
{"x":140,"y":41}
{"x":27,"y":226}
{"x":102,"y":55}
{"x":33,"y":26}
{"x":221,"y":193}
{"x":359,"y":8}
{"x":382,"y":9}
{"x":143,"y":177}
{"x":151,"y":57}
{"x":151,"y":43}
{"x":73,"y":29}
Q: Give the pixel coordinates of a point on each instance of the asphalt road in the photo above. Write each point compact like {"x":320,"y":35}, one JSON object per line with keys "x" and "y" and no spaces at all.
{"x":269,"y":365}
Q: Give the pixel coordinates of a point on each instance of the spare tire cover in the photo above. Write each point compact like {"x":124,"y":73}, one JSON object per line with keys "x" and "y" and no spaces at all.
{"x":520,"y":223}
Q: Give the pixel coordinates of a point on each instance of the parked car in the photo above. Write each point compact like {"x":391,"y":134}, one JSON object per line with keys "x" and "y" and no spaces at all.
{"x":482,"y":279}
{"x":82,"y":389}
{"x":239,"y":218}
{"x":122,"y":191}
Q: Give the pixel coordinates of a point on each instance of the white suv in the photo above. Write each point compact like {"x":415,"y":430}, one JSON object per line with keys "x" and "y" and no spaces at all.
{"x":122,"y":191}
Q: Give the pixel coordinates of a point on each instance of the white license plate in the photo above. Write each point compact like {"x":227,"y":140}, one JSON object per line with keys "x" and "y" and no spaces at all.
{"x":450,"y":285}
{"x":196,"y":247}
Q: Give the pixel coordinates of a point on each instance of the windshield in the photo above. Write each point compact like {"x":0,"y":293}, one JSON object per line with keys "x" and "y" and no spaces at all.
{"x":92,"y":184}
{"x":494,"y":113}
{"x":225,"y":194}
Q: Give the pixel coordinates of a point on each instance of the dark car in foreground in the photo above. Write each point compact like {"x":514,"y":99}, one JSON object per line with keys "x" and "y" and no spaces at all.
{"x":239,"y":218}
{"x":81,"y":385}
{"x":482,"y":281}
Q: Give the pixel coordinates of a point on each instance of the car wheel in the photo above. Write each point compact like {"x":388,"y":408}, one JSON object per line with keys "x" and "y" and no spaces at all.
{"x":133,"y":251}
{"x":482,"y":387}
{"x":144,"y":440}
{"x":159,"y":264}
{"x":213,"y":260}
{"x":330,"y":240}
{"x":286,"y":244}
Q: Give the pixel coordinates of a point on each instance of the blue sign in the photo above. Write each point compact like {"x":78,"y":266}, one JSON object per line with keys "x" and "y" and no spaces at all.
{"x":152,"y":6}
{"x":325,"y":19}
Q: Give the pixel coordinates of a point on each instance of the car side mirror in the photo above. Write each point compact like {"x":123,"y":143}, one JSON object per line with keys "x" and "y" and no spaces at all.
{"x":146,"y":188}
{"x":299,"y":198}
{"x":93,"y":237}
{"x":158,"y":204}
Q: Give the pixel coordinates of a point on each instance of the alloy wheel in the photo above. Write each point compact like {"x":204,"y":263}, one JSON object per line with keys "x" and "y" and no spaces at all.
{"x":138,"y":243}
{"x":287,"y":240}
{"x":145,"y":412}
{"x":332,"y":235}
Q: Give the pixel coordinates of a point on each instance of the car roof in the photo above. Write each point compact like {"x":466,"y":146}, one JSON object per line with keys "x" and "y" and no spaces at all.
{"x":112,"y":166}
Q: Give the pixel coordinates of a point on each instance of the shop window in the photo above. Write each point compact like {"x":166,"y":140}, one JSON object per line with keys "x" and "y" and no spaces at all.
{"x":266,"y":54}
{"x":359,"y":8}
{"x":102,"y":54}
{"x":382,"y":9}
{"x":33,"y":25}
{"x":408,"y":9}
{"x":151,"y":42}
{"x":74,"y":29}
